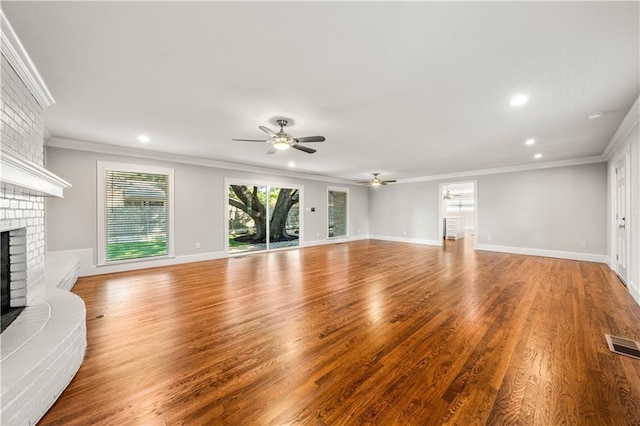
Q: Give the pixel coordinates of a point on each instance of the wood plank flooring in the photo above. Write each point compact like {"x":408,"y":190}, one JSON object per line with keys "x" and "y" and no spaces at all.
{"x":368,"y":332}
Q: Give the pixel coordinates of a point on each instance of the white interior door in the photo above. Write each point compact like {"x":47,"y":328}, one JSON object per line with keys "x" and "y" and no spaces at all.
{"x":622,"y":219}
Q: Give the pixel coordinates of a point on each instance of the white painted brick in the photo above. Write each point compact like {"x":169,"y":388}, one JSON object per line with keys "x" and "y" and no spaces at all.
{"x":18,"y":293}
{"x":15,"y":276}
{"x":15,"y":240}
{"x":17,"y":250}
{"x":19,"y":301}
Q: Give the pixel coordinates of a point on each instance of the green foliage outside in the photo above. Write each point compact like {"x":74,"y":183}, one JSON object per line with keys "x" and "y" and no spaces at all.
{"x":135,"y":250}
{"x":234,"y":243}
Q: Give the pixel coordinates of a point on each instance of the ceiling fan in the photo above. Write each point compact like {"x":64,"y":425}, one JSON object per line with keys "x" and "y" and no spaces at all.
{"x":376,"y":181}
{"x":448,"y":195}
{"x":281,"y":141}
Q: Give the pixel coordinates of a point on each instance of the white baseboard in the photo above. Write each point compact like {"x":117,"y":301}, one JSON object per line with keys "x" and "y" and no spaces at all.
{"x":407,"y":240}
{"x":610,"y":264}
{"x":587,"y":257}
{"x":89,"y":268}
{"x":635,"y":292}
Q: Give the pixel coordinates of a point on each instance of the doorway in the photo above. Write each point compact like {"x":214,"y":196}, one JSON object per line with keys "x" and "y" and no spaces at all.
{"x":622,"y":219}
{"x":458,"y":212}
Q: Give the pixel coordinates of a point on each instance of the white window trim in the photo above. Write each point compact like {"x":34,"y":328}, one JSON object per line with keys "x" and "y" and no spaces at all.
{"x":339,"y":189}
{"x":102,"y":167}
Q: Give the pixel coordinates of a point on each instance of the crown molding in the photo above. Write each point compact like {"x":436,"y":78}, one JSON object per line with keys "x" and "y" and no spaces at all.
{"x":509,"y":169}
{"x":28,"y":175}
{"x":14,"y":51}
{"x":630,"y":121}
{"x":73,"y":144}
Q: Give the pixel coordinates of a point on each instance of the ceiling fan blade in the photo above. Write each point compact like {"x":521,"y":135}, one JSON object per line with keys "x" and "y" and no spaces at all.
{"x":272,"y":150}
{"x":250,"y":140}
{"x":303,"y":148}
{"x":267,"y":131}
{"x":310,"y":139}
{"x":390,"y":181}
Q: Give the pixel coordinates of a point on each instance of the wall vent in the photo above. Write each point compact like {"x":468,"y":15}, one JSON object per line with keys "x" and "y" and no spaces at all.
{"x":623,"y":346}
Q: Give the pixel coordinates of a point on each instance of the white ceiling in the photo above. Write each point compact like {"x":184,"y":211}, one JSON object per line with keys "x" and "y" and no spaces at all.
{"x":407,"y":89}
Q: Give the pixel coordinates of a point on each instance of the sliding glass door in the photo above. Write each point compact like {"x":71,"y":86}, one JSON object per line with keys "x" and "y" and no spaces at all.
{"x":284,"y":217}
{"x":262,"y":217}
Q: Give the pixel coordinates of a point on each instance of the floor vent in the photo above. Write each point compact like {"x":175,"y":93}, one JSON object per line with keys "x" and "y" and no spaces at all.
{"x":623,"y":346}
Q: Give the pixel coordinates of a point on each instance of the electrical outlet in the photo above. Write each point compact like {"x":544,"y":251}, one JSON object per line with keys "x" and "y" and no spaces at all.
{"x":197,"y":245}
{"x":489,"y":237}
{"x":404,"y":232}
{"x":584,"y":244}
{"x":317,"y":234}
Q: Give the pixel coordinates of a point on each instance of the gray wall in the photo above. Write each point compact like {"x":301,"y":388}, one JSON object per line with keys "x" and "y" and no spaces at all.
{"x":549,"y":209}
{"x":408,"y":210}
{"x":200,"y":203}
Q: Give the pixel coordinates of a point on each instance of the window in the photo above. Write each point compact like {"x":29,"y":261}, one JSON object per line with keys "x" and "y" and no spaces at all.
{"x":338,"y":212}
{"x":135,"y":212}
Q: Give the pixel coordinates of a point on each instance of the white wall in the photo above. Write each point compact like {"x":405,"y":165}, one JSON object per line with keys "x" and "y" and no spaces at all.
{"x":630,"y":146}
{"x":545,"y":211}
{"x":200,"y":205}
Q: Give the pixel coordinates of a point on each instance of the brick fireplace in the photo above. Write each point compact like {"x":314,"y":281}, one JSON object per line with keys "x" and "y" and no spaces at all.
{"x":42,"y":349}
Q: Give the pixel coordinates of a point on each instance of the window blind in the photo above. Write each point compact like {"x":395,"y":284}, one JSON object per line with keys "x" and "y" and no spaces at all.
{"x":136,"y":212}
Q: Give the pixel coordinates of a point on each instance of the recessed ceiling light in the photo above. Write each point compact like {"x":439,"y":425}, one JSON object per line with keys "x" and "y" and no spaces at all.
{"x":291,"y":164}
{"x":519,"y":100}
{"x":530,"y":141}
{"x":537,"y":156}
{"x":143,"y":138}
{"x":595,"y":115}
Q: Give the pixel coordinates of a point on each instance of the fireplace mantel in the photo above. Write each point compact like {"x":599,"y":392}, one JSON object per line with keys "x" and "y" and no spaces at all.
{"x":30,"y":176}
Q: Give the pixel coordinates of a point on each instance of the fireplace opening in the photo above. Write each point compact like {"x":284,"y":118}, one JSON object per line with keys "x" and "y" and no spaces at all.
{"x":7,"y":313}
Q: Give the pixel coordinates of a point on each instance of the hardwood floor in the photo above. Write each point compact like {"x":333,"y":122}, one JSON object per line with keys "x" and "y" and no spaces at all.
{"x":368,"y":332}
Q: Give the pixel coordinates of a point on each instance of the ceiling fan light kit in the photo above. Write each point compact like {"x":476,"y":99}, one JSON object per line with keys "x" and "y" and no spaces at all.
{"x":376,"y":181}
{"x":281,"y":144}
{"x":282,"y":141}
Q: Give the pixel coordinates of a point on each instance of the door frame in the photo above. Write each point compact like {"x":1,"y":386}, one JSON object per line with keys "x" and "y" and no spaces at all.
{"x":627,"y":213}
{"x":268,"y":185}
{"x":475,"y":210}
